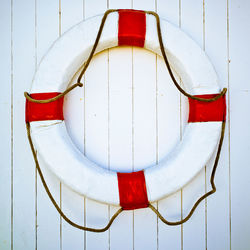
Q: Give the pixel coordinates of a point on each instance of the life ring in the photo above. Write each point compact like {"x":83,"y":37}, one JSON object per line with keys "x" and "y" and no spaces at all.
{"x":54,"y":146}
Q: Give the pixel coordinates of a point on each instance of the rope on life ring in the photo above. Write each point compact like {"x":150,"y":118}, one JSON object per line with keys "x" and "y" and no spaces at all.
{"x":58,"y":97}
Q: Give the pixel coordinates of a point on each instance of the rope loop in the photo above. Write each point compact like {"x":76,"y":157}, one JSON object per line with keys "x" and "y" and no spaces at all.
{"x":158,"y":24}
{"x":79,"y":84}
{"x":175,"y":223}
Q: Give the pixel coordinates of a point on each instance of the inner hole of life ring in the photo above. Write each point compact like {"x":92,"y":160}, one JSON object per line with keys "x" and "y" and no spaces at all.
{"x":129,"y":115}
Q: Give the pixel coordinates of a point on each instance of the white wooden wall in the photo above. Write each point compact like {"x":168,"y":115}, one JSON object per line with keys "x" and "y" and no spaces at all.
{"x":127,"y":116}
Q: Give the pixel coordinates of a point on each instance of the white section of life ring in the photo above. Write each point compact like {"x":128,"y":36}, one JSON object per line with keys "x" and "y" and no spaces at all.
{"x":54,"y":145}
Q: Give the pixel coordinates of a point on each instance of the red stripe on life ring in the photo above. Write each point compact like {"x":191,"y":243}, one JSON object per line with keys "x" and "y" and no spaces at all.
{"x":131,"y":28}
{"x":207,"y":111}
{"x":44,"y":111}
{"x":132,"y":190}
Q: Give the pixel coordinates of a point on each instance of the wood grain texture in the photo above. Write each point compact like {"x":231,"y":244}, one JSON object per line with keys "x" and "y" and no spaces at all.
{"x":24,"y":212}
{"x":218,"y":206}
{"x":128,"y":115}
{"x":239,"y":122}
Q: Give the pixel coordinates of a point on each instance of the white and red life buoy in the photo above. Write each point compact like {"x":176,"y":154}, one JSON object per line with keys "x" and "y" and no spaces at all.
{"x":54,"y":146}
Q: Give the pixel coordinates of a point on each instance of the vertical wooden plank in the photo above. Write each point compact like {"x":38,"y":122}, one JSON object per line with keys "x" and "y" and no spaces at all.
{"x":121,"y":129}
{"x":169,"y":132}
{"x":144,"y":120}
{"x":23,"y":164}
{"x":218,"y":217}
{"x":240,"y":201}
{"x":97,"y":131}
{"x":239,"y":39}
{"x":5,"y":131}
{"x":47,"y":25}
{"x":72,"y":203}
{"x":48,"y":219}
{"x":194,"y":230}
